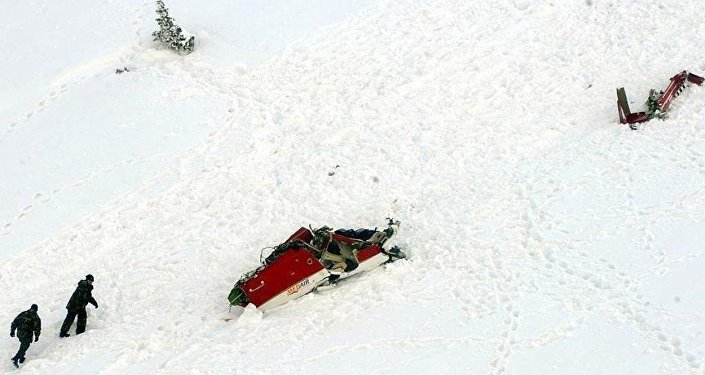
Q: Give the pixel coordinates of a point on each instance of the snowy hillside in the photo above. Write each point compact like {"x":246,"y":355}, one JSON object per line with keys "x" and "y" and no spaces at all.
{"x":544,"y":237}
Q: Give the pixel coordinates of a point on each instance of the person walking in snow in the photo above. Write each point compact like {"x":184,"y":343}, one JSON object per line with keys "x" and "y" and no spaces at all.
{"x":28,"y":326}
{"x":81,"y":297}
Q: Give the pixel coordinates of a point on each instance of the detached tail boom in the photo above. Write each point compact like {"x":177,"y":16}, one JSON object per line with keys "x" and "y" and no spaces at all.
{"x":665,"y":98}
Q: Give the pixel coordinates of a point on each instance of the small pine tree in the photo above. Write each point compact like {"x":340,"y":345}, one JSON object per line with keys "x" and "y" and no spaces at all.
{"x":170,"y":33}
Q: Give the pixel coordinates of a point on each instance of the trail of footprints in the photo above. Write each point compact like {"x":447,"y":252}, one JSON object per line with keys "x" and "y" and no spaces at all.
{"x":500,"y":358}
{"x":41,"y":198}
{"x":53,"y":96}
{"x":56,"y":93}
{"x":629,"y":305}
{"x":617,"y":288}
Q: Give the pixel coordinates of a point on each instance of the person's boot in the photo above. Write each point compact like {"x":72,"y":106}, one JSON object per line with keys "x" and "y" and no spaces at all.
{"x":62,"y":335}
{"x":22,"y":360}
{"x":14,"y":362}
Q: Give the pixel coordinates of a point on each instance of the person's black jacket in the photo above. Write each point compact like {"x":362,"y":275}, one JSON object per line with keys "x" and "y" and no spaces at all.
{"x":27,"y":323}
{"x":81,"y":297}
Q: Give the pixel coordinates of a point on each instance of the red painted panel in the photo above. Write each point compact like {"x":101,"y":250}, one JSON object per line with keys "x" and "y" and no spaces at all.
{"x":695,"y":79}
{"x":291,"y":267}
{"x":341,"y":238}
{"x":368,"y":252}
{"x":672,"y":89}
{"x":362,"y":254}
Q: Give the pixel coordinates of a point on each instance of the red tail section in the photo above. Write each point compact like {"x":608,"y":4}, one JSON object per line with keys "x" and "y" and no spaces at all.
{"x":674,"y":88}
{"x":664,"y":102}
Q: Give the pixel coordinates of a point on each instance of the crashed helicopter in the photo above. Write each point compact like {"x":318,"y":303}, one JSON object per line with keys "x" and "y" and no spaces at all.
{"x":311,"y":258}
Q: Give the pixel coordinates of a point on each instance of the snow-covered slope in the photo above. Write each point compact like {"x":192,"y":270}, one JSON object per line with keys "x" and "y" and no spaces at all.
{"x":544,"y":238}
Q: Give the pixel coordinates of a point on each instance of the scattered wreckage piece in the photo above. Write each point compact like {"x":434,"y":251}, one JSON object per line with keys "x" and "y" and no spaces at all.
{"x":658,"y":102}
{"x":311,"y":258}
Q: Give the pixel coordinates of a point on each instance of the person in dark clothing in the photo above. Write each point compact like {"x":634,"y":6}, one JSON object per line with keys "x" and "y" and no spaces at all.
{"x":77,"y":307}
{"x":28,"y":326}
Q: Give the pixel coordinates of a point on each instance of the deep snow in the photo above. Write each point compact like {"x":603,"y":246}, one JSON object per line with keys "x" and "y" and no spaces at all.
{"x":544,"y":237}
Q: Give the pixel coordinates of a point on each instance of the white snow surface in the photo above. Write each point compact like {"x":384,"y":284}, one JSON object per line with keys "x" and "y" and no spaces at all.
{"x":543,"y":237}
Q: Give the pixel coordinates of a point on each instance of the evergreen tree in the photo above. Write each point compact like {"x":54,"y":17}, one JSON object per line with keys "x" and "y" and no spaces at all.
{"x":170,"y":33}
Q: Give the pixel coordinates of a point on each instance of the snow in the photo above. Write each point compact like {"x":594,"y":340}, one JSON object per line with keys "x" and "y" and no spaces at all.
{"x":544,"y":237}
